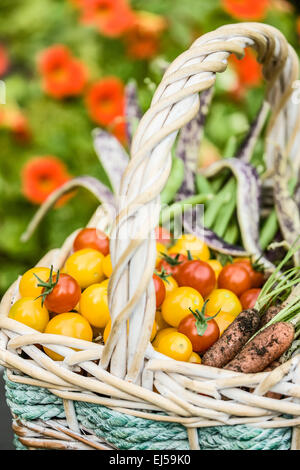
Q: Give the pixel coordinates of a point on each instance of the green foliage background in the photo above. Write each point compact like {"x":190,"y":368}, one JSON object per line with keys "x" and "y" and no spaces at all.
{"x":63,"y":128}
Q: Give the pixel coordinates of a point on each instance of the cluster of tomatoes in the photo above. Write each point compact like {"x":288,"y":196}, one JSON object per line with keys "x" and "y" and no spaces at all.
{"x":72,"y":302}
{"x":196,"y":297}
{"x":202,"y":297}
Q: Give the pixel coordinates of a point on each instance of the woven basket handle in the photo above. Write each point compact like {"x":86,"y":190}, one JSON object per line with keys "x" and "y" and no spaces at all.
{"x":175,"y":102}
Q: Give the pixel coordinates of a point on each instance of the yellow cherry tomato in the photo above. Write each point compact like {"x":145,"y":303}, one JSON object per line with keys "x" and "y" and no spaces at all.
{"x":194,"y":358}
{"x":175,"y":345}
{"x":161,"y":323}
{"x":239,"y":259}
{"x":216,"y":266}
{"x":68,"y":324}
{"x":161,"y":334}
{"x":189,"y":242}
{"x":86,"y":267}
{"x":29,"y":284}
{"x":160,"y":248}
{"x":223,"y":320}
{"x":107,"y":266}
{"x":170,"y":284}
{"x":30,"y":311}
{"x":176,"y":305}
{"x":93,"y":304}
{"x":223,"y":300}
{"x":105,"y":283}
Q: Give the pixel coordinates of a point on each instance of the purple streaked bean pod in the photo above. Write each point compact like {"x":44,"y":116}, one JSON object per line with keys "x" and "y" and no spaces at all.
{"x":111,"y":155}
{"x":246,"y":149}
{"x":133,"y":111}
{"x":188,"y":145}
{"x":286,"y":207}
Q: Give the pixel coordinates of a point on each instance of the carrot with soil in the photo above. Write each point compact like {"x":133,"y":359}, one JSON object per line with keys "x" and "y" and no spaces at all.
{"x":248,"y":322}
{"x":264,"y":348}
{"x":233,"y":339}
{"x":275,"y":338}
{"x":269,"y":314}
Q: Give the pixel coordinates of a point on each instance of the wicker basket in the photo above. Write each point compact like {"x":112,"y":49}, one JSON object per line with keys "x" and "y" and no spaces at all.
{"x":113,"y":404}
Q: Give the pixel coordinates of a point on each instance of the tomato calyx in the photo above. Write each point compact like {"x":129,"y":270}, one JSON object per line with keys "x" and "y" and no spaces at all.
{"x":224,"y":259}
{"x":201,"y":318}
{"x":257,"y":266}
{"x":163,"y":274}
{"x":171,"y":261}
{"x":47,"y":286}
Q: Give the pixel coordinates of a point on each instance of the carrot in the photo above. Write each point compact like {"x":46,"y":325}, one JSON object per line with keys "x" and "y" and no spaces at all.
{"x":233,"y":339}
{"x":264,"y":348}
{"x":269,"y":314}
{"x":272,"y":366}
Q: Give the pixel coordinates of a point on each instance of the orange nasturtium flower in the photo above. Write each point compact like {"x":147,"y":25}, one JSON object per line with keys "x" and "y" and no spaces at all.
{"x":106,"y":105}
{"x":246,"y":9}
{"x":142,"y":39}
{"x":118,"y":129}
{"x":62,"y":74}
{"x":41,"y":176}
{"x":248,"y":69}
{"x":4,"y":60}
{"x":111,"y":17}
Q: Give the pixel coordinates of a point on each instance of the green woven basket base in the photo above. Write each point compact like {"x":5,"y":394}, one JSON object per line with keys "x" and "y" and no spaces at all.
{"x":132,"y":433}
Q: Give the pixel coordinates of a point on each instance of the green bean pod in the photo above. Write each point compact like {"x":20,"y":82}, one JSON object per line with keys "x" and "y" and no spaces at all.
{"x":218,"y":201}
{"x":225,"y":214}
{"x":203,"y":186}
{"x":174,"y":181}
{"x":232,"y":232}
{"x":268,"y":230}
{"x":168,"y":213}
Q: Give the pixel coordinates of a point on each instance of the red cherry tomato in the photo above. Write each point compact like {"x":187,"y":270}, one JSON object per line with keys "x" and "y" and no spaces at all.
{"x":163,"y":236}
{"x":160,"y":290}
{"x":92,"y":238}
{"x":64,"y":296}
{"x":234,"y":277}
{"x":256,"y":277}
{"x":249,"y":297}
{"x":200,"y":343}
{"x":197,"y":274}
{"x":171,"y":263}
